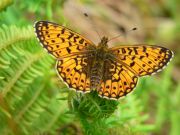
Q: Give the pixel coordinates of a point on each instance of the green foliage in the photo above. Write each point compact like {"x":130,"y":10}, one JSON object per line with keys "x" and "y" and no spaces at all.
{"x":92,"y":106}
{"x":29,"y":93}
{"x":23,"y":100}
{"x":4,"y":4}
{"x":33,"y":100}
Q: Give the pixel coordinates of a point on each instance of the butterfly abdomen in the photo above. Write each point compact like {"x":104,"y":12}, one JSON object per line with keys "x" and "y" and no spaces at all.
{"x":96,"y":75}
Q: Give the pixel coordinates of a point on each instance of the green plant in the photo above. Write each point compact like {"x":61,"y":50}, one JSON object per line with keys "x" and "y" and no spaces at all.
{"x":23,"y":67}
{"x":33,"y":100}
{"x":29,"y":90}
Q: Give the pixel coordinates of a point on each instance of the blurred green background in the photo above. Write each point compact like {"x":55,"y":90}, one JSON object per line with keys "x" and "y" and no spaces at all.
{"x":33,"y":100}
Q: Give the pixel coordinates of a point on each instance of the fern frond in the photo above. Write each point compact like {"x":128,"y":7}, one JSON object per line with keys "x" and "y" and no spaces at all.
{"x":27,"y":88}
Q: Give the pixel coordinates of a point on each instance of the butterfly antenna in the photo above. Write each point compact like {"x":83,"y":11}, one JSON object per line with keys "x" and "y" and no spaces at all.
{"x":92,"y":23}
{"x":133,"y":29}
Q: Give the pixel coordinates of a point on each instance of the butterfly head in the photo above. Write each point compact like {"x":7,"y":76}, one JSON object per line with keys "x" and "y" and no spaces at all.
{"x":103,"y":42}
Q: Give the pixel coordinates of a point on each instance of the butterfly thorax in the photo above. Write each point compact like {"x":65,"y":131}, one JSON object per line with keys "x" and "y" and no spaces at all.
{"x":97,"y":67}
{"x":103,"y":43}
{"x":102,"y":49}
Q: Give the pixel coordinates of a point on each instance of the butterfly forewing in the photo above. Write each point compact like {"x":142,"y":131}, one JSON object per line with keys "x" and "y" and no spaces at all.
{"x":60,"y":41}
{"x":143,"y":59}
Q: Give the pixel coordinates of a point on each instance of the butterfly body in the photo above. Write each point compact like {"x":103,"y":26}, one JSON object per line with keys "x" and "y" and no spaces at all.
{"x":97,"y":63}
{"x":84,"y":66}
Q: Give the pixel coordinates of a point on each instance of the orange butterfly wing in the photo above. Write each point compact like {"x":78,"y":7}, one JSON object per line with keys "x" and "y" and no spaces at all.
{"x":59,"y":40}
{"x":127,"y":63}
{"x":70,"y":49}
{"x":118,"y":80}
{"x":74,"y":71}
{"x":143,"y":59}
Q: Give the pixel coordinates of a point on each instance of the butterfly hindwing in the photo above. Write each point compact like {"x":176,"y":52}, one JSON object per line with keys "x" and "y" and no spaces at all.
{"x":73,"y":71}
{"x":59,"y":40}
{"x":117,"y":81}
{"x":143,"y":59}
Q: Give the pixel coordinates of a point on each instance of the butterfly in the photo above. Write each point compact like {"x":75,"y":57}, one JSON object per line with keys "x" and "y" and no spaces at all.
{"x":85,"y":67}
